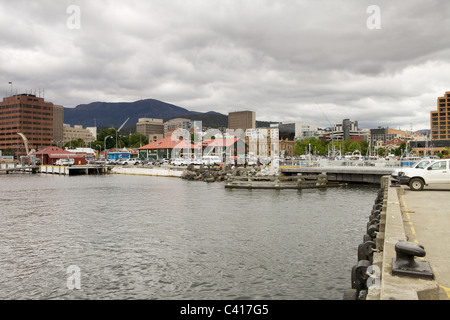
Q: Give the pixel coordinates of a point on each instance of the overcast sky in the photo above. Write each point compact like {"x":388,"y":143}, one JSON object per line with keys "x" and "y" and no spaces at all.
{"x":316,"y":61}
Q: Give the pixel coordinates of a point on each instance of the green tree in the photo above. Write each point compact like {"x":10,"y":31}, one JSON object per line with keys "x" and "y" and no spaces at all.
{"x":79,"y":143}
{"x":314,"y":145}
{"x":110,"y":142}
{"x":400,"y":149}
{"x":137,"y":140}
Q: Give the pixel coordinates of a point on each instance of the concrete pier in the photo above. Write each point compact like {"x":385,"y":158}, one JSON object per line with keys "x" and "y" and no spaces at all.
{"x":361,"y":174}
{"x":421,"y":218}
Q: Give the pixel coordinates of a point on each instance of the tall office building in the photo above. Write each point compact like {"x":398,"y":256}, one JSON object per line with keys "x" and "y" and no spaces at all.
{"x":29,"y":115}
{"x":242,"y":120}
{"x":177,"y":123}
{"x":440,"y":119}
{"x":153,"y":129}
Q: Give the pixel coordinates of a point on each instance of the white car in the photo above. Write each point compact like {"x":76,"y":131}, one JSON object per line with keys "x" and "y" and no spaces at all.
{"x":65,"y":162}
{"x":436,"y":173}
{"x":211,"y":160}
{"x":418,"y":165}
{"x":180,"y":162}
{"x":125,"y":162}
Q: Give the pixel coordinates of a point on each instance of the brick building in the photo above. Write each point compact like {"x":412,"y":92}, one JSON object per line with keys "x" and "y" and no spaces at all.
{"x":29,"y":115}
{"x":242,"y":120}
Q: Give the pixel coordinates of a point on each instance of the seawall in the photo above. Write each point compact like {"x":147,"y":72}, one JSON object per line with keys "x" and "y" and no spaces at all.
{"x":390,"y":266}
{"x":155,"y":171}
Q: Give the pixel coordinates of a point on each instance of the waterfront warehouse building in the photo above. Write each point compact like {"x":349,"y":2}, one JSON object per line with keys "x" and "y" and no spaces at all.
{"x":50,"y":155}
{"x":29,"y":115}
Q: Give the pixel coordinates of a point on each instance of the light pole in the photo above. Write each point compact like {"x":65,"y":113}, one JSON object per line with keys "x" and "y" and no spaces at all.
{"x":100,"y":148}
{"x":105,"y":144}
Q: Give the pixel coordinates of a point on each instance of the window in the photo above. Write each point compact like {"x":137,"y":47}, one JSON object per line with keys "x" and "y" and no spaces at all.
{"x":440,"y":165}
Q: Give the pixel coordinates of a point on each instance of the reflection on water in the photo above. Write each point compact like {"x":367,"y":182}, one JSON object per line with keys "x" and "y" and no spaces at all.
{"x":138,"y":237}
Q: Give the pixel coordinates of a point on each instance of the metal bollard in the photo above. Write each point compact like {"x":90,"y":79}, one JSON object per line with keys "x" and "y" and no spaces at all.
{"x":405,"y":264}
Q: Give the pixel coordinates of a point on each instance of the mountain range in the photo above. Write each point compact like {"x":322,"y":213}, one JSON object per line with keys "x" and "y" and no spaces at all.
{"x":114,"y":114}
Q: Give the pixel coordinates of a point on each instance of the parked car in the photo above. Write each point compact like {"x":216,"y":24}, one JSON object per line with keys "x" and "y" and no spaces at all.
{"x":65,"y":162}
{"x":197,"y":161}
{"x":130,"y":161}
{"x":180,"y":162}
{"x":436,"y":173}
{"x":418,"y":165}
{"x":211,"y":160}
{"x":147,"y":161}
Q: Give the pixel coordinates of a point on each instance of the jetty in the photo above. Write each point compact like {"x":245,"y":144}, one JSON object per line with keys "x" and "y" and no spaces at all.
{"x":344,"y":174}
{"x":74,"y":170}
{"x":21,"y":169}
{"x":299,"y":181}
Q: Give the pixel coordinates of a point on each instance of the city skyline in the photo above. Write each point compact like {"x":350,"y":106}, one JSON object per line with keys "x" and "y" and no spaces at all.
{"x":317,"y":62}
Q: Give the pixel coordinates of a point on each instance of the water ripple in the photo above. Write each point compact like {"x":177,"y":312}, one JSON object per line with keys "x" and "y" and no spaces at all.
{"x":163,"y":238}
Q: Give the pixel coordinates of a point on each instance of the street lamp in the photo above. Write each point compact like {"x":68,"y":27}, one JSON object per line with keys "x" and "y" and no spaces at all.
{"x":99,"y":147}
{"x":105,"y":144}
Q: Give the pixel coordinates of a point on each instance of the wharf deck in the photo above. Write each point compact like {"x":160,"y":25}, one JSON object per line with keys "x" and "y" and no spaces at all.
{"x":280,"y":182}
{"x":420,"y":218}
{"x":350,"y":174}
{"x":25,"y":169}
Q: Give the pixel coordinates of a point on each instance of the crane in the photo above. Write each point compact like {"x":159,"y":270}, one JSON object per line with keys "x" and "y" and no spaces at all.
{"x":123,"y":124}
{"x":26,"y":143}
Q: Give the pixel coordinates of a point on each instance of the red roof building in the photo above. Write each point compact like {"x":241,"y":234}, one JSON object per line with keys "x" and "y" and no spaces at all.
{"x":163,"y":148}
{"x":50,"y":155}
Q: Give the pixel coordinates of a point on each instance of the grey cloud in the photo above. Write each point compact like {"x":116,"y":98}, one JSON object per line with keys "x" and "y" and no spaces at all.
{"x":282,"y":59}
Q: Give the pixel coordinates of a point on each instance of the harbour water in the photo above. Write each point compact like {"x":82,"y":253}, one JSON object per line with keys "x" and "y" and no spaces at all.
{"x":136,"y":237}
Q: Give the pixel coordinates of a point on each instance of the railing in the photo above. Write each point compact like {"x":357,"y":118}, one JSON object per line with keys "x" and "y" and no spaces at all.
{"x":342,"y":163}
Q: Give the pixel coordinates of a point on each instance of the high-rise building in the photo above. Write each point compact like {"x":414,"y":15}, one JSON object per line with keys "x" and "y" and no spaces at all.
{"x":177,"y":123}
{"x":242,"y":120}
{"x":348,"y":130}
{"x":153,"y":129}
{"x":29,"y":115}
{"x":440,"y":119}
{"x":295,"y":130}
